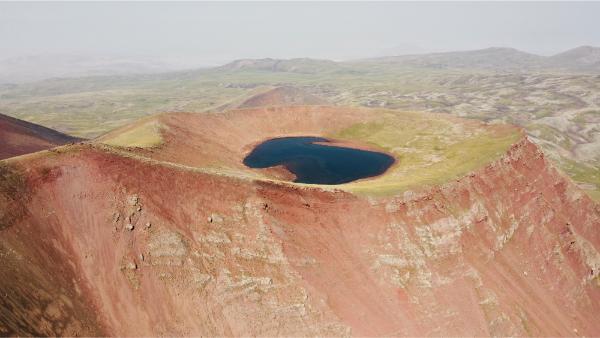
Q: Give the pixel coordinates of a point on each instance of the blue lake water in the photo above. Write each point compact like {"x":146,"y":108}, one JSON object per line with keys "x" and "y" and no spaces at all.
{"x":316,"y":163}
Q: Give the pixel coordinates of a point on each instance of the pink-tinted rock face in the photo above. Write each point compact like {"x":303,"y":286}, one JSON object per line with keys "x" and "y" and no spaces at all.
{"x":95,"y":243}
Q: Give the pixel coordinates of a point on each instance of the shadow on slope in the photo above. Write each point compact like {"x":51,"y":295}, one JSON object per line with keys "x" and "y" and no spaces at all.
{"x":18,"y":137}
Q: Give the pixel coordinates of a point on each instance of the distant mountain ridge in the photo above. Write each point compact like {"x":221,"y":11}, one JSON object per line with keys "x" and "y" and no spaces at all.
{"x":581,"y":59}
{"x":488,"y":58}
{"x":39,"y":67}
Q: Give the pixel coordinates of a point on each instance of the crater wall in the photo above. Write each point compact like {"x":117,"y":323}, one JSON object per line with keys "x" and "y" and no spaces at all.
{"x":118,"y":245}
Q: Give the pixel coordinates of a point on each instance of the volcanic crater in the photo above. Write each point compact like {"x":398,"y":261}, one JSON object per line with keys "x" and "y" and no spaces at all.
{"x":159,"y":228}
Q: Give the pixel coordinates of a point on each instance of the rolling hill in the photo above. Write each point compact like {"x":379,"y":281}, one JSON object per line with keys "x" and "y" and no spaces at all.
{"x":584,"y":59}
{"x":496,"y":59}
{"x":18,"y":137}
{"x":277,"y":96}
{"x":299,"y":65}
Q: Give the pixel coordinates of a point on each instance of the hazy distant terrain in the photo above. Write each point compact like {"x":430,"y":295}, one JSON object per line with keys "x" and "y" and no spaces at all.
{"x":584,"y":59}
{"x":41,"y":67}
{"x":556,"y":99}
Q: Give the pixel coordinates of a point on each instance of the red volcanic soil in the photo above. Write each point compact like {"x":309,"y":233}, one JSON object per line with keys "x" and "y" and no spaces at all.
{"x":94,"y":242}
{"x":18,"y":137}
{"x":278,"y":96}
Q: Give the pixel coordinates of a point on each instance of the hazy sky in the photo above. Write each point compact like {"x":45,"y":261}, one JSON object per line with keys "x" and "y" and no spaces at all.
{"x":209,"y":33}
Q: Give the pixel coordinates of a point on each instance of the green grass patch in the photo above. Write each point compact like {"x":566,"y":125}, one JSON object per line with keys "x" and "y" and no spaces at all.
{"x":590,"y":116}
{"x":428,"y":150}
{"x":583,"y":173}
{"x":144,"y":135}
